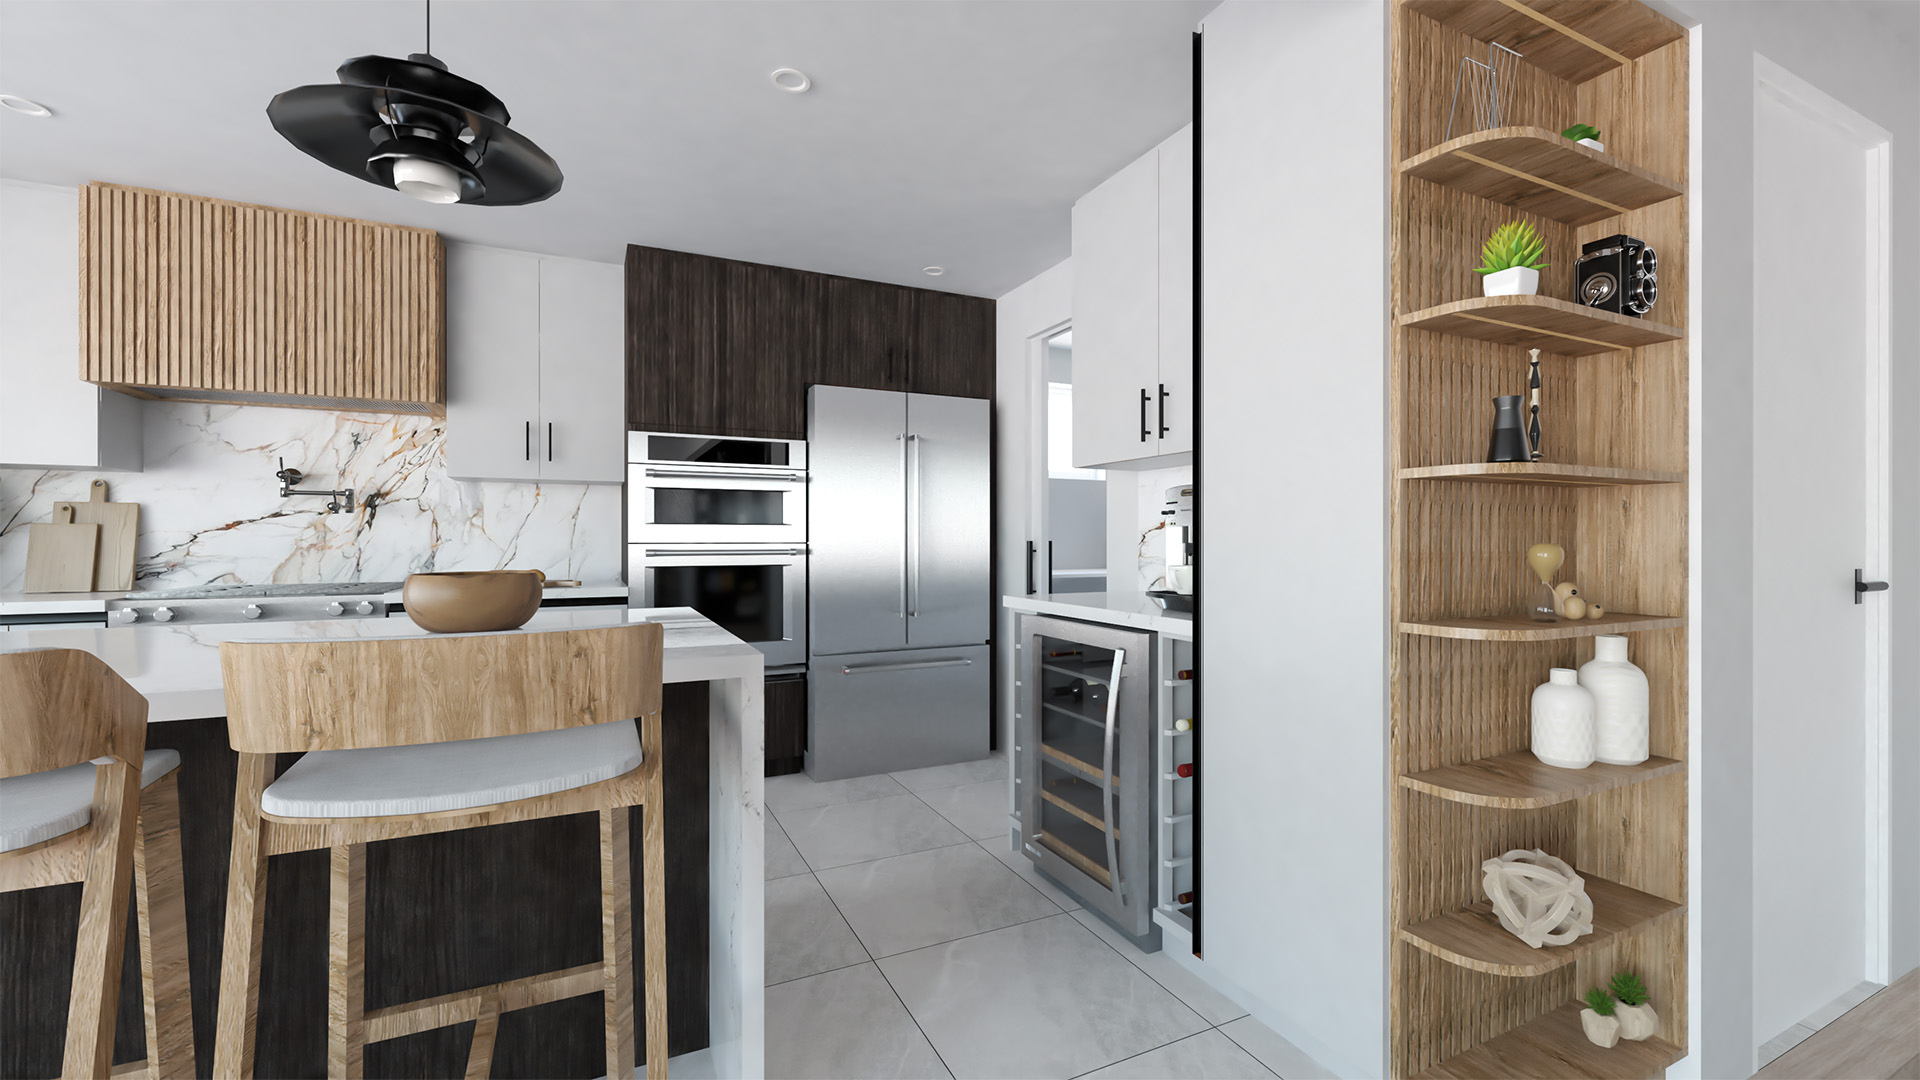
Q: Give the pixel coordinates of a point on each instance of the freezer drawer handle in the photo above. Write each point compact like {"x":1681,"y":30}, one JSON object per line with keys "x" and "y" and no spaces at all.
{"x":915,"y":665}
{"x":711,"y":474}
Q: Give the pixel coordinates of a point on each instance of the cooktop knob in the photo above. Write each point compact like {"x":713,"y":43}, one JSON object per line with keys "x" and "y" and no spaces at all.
{"x":125,"y":616}
{"x":336,"y":608}
{"x":163,"y":614}
{"x":364,"y":607}
{"x":251,"y":611}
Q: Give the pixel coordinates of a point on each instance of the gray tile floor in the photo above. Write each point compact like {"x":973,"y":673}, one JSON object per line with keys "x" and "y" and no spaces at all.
{"x":905,"y":940}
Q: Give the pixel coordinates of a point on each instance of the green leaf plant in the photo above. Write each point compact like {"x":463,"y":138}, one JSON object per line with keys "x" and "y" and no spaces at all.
{"x":1599,"y":1001}
{"x":1582,"y":131}
{"x":1628,"y":988}
{"x":1513,"y":244}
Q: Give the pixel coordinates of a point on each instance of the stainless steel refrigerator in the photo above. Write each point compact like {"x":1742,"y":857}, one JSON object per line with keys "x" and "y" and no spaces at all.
{"x":899,"y":610}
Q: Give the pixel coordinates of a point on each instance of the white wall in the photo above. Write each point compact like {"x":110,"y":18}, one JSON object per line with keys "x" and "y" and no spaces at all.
{"x":1868,"y":57}
{"x":1031,"y":311}
{"x":1293,"y":618}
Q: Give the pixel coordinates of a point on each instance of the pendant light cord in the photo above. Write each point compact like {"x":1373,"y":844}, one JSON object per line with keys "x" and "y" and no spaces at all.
{"x":429,"y":27}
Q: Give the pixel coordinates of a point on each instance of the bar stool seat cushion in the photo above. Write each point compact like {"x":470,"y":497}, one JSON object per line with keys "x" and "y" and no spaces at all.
{"x":40,"y":806}
{"x":430,"y":778}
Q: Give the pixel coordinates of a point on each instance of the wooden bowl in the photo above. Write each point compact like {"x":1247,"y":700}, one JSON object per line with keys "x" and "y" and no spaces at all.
{"x":472,"y":602}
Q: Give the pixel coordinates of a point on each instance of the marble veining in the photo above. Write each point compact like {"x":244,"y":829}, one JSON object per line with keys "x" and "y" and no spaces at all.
{"x":211,"y":511}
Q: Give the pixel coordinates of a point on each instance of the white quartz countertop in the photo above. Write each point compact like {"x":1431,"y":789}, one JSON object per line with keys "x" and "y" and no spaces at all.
{"x":1139,"y":612}
{"x":177,"y":667}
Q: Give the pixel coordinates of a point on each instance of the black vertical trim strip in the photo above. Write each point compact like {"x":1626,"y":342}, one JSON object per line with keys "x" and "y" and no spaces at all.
{"x":1199,"y":500}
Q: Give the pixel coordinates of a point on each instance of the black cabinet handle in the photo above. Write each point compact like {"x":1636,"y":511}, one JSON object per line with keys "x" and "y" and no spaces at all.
{"x":1163,"y":410}
{"x":529,"y":440}
{"x":549,"y":440}
{"x":1861,"y":586}
{"x":1030,"y":550}
{"x":1049,"y":568}
{"x":1145,"y":431}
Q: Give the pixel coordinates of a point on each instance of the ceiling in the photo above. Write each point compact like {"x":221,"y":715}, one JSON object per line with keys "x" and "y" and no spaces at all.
{"x":938,"y":132}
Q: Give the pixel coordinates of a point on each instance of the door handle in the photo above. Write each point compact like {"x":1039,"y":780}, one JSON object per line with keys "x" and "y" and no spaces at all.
{"x":549,"y":440}
{"x":733,"y":552}
{"x":913,"y":526}
{"x":716,"y":474}
{"x":1861,"y":586}
{"x":1030,"y":551}
{"x":1144,"y":429}
{"x":529,"y":440}
{"x":914,"y":665}
{"x":1163,"y":410}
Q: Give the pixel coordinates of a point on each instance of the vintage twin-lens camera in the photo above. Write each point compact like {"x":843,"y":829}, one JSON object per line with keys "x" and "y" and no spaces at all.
{"x":1618,"y":274}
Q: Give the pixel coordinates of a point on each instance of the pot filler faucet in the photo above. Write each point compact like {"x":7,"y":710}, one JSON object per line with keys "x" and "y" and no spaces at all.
{"x":289,"y":477}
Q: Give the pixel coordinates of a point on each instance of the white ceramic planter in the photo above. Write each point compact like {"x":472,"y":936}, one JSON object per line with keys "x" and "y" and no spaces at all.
{"x":1592,"y":144}
{"x":1602,"y":1031}
{"x":1563,"y":728}
{"x":1637,"y":1022}
{"x":1513,"y":281}
{"x":1619,"y":692}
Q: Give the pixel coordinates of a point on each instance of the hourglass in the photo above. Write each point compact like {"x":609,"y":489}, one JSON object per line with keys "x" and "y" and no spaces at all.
{"x":1545,"y":559}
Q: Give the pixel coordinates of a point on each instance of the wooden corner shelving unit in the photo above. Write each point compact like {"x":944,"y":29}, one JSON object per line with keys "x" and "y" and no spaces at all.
{"x":1467,"y":998}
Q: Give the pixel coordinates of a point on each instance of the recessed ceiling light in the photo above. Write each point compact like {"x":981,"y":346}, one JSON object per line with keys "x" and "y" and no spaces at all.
{"x":933,"y":271}
{"x":792,"y":80}
{"x":16,"y":103}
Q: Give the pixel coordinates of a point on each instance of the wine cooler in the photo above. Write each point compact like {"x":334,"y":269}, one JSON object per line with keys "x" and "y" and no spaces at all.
{"x":1084,"y":764}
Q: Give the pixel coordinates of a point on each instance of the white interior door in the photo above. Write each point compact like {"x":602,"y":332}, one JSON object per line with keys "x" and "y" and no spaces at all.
{"x":1819,"y":460}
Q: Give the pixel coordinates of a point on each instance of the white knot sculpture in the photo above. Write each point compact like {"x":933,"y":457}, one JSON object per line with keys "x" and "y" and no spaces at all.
{"x":1539,"y":898}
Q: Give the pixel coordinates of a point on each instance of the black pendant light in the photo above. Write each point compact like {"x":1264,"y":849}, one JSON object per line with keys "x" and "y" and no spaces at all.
{"x":416,"y":127}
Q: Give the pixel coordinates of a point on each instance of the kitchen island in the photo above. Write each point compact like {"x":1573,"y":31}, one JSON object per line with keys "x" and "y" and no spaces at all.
{"x":447,"y":911}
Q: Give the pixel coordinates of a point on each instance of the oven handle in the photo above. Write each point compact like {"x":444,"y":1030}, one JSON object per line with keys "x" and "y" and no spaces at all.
{"x":714,"y":474}
{"x":723,"y":551}
{"x":915,"y":665}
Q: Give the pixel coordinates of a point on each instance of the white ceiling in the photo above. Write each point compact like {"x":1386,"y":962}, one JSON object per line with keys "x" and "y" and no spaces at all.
{"x":937,"y":133}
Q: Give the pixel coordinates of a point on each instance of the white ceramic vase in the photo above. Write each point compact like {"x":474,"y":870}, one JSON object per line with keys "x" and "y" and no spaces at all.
{"x":1563,"y":721}
{"x":1637,"y":1022}
{"x":1619,"y":692}
{"x":1513,"y":281}
{"x":1594,"y":143}
{"x":1602,"y":1031}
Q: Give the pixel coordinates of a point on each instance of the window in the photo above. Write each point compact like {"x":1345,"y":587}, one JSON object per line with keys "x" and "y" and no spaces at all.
{"x":1060,"y":436}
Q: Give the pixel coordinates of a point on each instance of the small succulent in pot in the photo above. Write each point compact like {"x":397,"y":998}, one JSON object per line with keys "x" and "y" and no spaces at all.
{"x":1510,"y":259}
{"x":1637,"y":1019}
{"x":1585,"y":135}
{"x":1597,"y":1019}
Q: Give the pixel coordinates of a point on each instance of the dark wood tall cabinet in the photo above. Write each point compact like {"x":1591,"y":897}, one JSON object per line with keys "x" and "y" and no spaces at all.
{"x":720,"y":347}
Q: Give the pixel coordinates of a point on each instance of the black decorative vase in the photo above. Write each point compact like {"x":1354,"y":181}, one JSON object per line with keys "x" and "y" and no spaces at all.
{"x":1509,"y":442}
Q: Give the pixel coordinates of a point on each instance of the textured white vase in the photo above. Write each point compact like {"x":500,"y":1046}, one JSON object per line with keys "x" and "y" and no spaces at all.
{"x":1619,"y":692}
{"x":1513,"y":281}
{"x":1602,"y":1031}
{"x":1637,"y":1022}
{"x":1563,"y":721}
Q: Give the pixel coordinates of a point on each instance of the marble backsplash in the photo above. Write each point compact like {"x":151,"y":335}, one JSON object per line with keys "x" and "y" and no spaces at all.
{"x":211,"y":511}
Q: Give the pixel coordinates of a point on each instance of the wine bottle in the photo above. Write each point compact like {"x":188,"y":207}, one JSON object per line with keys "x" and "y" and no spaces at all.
{"x":1183,"y":724}
{"x":1183,"y":674}
{"x":1183,"y":771}
{"x":1055,"y":654}
{"x":1183,"y":898}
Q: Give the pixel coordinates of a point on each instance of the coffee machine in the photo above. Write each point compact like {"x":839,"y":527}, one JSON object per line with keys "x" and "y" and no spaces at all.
{"x":1176,"y":518}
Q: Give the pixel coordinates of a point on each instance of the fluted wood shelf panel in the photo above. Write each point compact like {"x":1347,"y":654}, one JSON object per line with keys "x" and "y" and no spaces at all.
{"x":1473,"y":937}
{"x":197,"y":299}
{"x":1520,"y":781}
{"x":1541,"y":172}
{"x":1543,"y":322}
{"x":1553,"y":1045}
{"x":1521,"y":627}
{"x":1542,"y":472}
{"x":1573,"y":40}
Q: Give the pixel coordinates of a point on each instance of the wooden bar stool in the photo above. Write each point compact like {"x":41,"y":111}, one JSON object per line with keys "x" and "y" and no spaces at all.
{"x":81,"y":800}
{"x":409,"y":736}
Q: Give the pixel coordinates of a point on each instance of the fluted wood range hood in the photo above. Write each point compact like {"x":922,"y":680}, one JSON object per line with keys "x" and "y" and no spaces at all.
{"x":196,"y":299}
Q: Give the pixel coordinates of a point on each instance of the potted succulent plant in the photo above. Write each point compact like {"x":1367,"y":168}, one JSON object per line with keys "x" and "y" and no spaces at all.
{"x":1585,"y":135}
{"x":1597,"y":1019}
{"x":1511,"y":261}
{"x":1637,"y":1020}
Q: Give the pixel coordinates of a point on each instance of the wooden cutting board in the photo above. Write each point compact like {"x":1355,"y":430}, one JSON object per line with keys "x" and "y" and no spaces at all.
{"x":60,"y":554}
{"x":119,"y":529}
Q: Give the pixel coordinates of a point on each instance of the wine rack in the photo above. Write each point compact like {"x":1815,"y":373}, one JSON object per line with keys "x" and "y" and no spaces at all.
{"x":1174,"y":809}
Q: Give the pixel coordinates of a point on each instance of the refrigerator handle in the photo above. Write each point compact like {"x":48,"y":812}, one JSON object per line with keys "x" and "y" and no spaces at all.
{"x":913,"y":526}
{"x":909,"y":529}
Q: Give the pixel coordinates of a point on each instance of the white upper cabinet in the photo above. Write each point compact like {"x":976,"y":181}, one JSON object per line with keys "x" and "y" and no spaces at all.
{"x":49,"y":416}
{"x":535,"y":367}
{"x":1133,"y":312}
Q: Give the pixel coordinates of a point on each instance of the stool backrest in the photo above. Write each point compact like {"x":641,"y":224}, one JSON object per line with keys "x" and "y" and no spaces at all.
{"x":350,"y":693}
{"x":61,"y":707}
